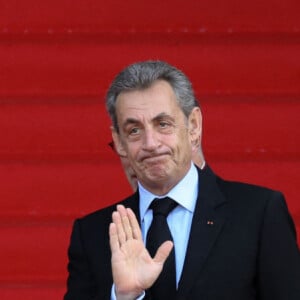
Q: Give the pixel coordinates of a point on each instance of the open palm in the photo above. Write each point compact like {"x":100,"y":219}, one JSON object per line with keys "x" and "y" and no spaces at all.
{"x":133,"y":268}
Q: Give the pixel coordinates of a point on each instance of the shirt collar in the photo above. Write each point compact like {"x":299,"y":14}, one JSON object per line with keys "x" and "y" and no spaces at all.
{"x":184,"y":193}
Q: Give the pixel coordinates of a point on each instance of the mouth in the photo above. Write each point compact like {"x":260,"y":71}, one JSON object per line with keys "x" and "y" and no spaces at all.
{"x":154,"y":159}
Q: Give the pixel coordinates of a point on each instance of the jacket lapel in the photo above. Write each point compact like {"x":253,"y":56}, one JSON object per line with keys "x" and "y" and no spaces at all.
{"x":133,"y":202}
{"x":209,"y":217}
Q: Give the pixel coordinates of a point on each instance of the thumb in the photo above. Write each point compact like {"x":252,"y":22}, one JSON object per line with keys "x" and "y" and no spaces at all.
{"x":163,"y":252}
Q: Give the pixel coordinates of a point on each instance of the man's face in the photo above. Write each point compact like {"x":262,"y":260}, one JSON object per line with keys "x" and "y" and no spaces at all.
{"x":154,"y":136}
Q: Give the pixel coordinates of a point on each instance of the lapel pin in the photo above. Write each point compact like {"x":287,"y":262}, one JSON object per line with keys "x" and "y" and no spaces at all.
{"x":209,"y":222}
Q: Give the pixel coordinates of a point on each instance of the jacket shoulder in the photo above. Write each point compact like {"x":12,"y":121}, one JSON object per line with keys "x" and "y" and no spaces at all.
{"x":104,"y":214}
{"x":236,"y":186}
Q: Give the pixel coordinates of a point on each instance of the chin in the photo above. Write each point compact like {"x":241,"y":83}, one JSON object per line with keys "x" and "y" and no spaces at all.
{"x":158,"y":174}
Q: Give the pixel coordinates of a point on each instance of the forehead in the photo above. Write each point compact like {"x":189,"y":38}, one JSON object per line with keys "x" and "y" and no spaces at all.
{"x":147,"y":103}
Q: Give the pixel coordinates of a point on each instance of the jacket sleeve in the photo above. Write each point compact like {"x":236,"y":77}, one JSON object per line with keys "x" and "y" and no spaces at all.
{"x":279,"y":257}
{"x":81,"y":283}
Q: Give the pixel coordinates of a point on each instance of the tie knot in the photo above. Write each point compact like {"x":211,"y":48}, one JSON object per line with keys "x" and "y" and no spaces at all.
{"x":162,"y":206}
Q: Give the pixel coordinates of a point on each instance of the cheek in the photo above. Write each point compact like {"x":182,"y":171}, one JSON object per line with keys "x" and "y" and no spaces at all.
{"x":125,"y":162}
{"x":182,"y":137}
{"x":133,"y":153}
{"x":185,"y":149}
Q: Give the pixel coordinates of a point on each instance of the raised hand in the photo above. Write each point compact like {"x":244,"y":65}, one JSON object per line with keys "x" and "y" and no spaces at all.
{"x":133,"y":268}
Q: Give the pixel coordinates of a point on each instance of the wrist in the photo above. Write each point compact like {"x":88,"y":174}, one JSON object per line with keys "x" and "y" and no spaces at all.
{"x":129,"y":295}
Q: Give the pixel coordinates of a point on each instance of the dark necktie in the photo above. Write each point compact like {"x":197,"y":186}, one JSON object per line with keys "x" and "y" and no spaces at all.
{"x":159,"y":232}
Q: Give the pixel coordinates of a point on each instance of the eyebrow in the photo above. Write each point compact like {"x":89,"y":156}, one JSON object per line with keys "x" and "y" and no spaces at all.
{"x":160,"y":116}
{"x":130,"y":121}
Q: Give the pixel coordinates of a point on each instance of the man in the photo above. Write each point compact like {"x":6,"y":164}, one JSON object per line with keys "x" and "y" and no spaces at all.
{"x":230,"y":240}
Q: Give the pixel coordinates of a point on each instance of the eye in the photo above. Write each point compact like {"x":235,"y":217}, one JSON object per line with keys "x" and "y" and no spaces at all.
{"x":164,"y":124}
{"x":165,"y":127}
{"x":134,"y":131}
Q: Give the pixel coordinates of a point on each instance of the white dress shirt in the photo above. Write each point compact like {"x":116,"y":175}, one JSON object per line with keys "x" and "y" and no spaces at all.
{"x":180,"y":219}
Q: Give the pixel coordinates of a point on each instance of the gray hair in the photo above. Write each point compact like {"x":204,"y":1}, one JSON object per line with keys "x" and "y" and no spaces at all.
{"x":142,"y":75}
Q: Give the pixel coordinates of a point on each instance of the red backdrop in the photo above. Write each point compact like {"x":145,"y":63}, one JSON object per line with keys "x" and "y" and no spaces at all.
{"x":57,"y":59}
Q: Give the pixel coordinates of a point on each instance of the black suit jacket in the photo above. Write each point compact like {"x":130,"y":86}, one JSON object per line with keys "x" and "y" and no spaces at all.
{"x":242,"y":246}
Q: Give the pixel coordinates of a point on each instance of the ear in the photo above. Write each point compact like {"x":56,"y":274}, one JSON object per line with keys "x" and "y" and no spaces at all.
{"x":195,"y":127}
{"x":118,"y":142}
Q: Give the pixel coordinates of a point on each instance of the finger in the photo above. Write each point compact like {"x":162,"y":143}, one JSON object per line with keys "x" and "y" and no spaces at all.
{"x":125,"y":222}
{"x":116,"y":218}
{"x":163,"y":252}
{"x":136,"y":230}
{"x":113,"y":238}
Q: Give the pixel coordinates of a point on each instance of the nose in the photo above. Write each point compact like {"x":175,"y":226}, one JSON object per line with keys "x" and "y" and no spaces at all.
{"x":151,"y":141}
